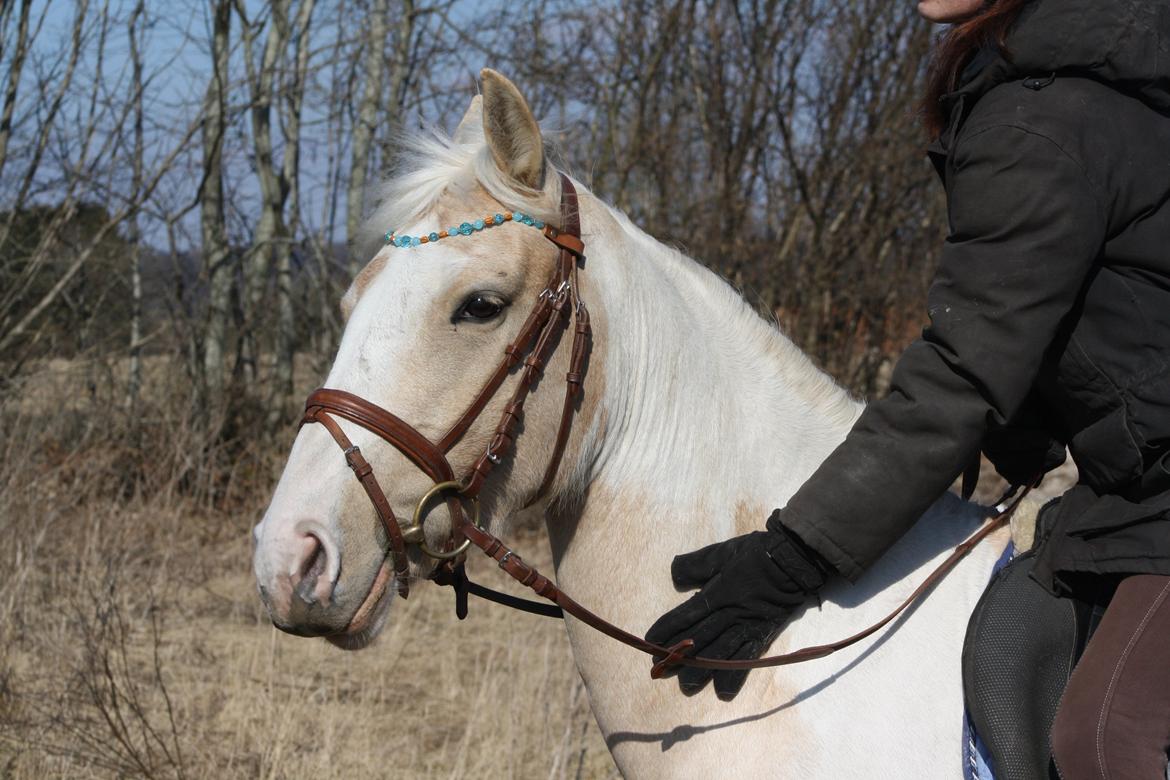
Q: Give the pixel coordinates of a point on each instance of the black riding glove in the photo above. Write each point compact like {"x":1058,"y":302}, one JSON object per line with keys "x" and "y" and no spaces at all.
{"x":1023,"y":448}
{"x":748,"y":586}
{"x":1020,"y":455}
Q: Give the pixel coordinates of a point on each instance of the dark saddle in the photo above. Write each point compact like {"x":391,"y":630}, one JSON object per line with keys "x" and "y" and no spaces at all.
{"x":1022,"y":644}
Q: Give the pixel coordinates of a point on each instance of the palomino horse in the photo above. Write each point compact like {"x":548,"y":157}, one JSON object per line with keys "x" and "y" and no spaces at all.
{"x":697,"y":417}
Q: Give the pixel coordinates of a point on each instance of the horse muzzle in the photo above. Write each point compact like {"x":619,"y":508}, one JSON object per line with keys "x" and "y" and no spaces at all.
{"x":298,"y":571}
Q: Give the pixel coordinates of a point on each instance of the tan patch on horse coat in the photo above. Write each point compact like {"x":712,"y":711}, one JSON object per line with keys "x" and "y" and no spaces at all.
{"x":750,"y":516}
{"x":366,"y":276}
{"x":361,"y":282}
{"x":644,"y":718}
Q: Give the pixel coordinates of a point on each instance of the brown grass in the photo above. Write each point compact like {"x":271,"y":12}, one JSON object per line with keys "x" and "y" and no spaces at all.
{"x":132,"y":642}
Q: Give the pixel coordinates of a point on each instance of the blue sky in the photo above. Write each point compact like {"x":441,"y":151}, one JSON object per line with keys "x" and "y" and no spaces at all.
{"x":176,"y":53}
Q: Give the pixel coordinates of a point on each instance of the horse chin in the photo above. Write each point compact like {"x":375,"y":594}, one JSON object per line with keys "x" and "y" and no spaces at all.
{"x":371,"y":614}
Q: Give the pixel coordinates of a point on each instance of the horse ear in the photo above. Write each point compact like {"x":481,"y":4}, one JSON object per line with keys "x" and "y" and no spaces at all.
{"x":470,"y":129}
{"x":512,"y":133}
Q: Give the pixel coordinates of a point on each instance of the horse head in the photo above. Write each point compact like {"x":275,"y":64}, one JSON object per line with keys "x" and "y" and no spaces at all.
{"x":466,"y":258}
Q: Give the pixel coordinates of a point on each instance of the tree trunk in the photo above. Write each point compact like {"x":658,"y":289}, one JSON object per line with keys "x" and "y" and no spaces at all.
{"x":282,"y":388}
{"x":134,"y":231}
{"x":216,"y":257}
{"x":363,"y":130}
{"x":270,"y":230}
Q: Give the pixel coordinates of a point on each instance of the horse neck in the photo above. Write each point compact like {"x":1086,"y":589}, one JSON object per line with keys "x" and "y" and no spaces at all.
{"x":709,"y":417}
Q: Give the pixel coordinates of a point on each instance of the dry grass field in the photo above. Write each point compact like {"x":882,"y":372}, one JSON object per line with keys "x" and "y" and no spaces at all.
{"x":132,"y":643}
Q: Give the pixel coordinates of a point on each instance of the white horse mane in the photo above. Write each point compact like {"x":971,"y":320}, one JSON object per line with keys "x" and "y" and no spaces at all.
{"x":744,"y":331}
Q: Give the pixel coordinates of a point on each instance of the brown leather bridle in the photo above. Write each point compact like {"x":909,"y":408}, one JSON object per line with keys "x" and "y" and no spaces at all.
{"x":556,"y":306}
{"x":538,"y":338}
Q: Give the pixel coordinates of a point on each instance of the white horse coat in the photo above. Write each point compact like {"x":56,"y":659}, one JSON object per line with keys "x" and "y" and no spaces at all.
{"x":699,"y":418}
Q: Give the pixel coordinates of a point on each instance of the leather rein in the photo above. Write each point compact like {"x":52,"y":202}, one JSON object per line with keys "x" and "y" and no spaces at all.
{"x":558,"y":305}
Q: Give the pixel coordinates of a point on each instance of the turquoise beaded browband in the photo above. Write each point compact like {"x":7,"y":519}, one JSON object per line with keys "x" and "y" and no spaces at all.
{"x":466,"y":229}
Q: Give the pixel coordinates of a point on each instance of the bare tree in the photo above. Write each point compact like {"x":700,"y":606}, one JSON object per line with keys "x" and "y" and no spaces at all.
{"x":272,"y":239}
{"x":213,"y":218}
{"x":286,"y":320}
{"x":15,"y":69}
{"x":775,"y":140}
{"x":134,"y":378}
{"x":42,"y":267}
{"x":270,"y":229}
{"x":365,"y":123}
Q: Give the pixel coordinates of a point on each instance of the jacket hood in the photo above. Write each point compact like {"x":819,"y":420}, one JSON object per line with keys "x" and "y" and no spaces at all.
{"x":1125,"y":43}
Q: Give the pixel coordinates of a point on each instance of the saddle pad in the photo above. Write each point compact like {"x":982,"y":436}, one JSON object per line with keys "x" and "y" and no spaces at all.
{"x":976,"y":760}
{"x":1020,"y":649}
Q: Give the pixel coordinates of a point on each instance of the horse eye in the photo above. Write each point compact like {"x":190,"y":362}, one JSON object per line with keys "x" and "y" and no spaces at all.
{"x":480,"y":308}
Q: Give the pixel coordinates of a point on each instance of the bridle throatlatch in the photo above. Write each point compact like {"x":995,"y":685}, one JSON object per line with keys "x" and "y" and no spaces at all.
{"x":557,"y":306}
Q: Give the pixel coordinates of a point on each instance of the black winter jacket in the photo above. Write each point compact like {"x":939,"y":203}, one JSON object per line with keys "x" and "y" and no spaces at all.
{"x":1051,"y":307}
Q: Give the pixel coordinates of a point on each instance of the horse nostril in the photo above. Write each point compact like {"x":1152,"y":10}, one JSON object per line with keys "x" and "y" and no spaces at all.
{"x":313,"y":565}
{"x":311,"y":580}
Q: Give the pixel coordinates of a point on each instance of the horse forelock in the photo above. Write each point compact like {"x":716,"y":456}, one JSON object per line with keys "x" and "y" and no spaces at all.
{"x":430,"y":165}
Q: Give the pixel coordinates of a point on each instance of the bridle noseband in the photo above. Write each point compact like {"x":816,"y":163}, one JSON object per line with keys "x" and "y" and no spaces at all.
{"x":538,"y":338}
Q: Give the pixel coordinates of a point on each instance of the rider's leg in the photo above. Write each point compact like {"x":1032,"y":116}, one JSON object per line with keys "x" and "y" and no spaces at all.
{"x":1114,"y":720}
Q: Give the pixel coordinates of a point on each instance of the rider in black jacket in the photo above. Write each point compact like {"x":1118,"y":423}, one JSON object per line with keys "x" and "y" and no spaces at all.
{"x":1050,"y":313}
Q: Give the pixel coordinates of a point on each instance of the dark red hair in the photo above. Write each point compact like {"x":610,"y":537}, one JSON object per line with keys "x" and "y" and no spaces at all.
{"x":955,"y":48}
